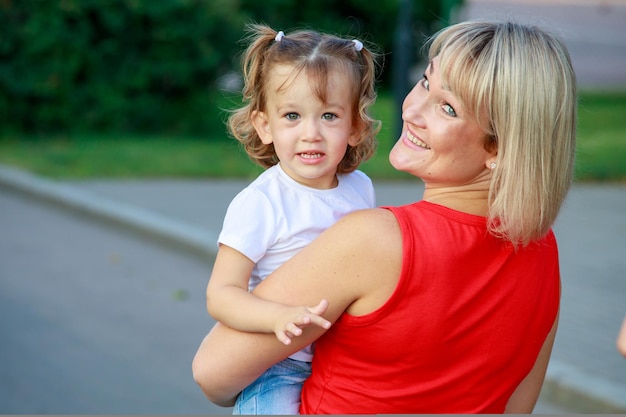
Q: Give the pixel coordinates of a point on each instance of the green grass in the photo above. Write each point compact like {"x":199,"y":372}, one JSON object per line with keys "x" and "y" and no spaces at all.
{"x":601,"y":150}
{"x":122,"y":156}
{"x":601,"y":137}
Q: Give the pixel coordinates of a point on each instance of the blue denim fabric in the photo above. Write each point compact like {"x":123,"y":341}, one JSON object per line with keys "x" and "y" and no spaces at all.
{"x":277,"y":391}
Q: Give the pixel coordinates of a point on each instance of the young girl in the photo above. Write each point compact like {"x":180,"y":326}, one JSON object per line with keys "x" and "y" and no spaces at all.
{"x":306,"y":120}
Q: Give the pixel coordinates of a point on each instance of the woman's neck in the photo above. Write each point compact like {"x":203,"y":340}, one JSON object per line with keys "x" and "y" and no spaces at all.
{"x":471,"y":199}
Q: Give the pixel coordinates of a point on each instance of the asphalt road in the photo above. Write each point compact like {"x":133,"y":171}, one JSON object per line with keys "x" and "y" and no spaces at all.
{"x":98,"y":320}
{"x":93,"y":320}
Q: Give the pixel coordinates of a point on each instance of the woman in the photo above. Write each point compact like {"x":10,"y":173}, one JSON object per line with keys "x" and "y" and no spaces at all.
{"x":621,"y":339}
{"x":450,"y":304}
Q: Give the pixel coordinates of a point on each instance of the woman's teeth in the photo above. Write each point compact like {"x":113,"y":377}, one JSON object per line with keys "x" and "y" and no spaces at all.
{"x":416,"y":141}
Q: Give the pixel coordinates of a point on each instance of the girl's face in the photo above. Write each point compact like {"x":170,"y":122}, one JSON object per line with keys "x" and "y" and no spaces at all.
{"x":440,"y":143}
{"x":309,"y":137}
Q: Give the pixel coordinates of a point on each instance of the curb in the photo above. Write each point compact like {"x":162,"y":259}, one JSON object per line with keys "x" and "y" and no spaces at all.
{"x":564,"y":385}
{"x":581,"y":393}
{"x":129,"y":218}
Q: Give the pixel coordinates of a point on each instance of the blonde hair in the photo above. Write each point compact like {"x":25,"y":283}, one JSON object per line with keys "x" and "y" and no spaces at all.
{"x":519,"y":83}
{"x":315,"y":54}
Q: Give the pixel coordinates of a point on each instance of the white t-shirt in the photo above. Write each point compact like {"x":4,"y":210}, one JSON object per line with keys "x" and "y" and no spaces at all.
{"x":274,"y":217}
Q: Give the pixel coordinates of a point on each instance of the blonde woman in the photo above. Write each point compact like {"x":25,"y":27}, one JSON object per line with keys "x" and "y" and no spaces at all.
{"x":449,"y":304}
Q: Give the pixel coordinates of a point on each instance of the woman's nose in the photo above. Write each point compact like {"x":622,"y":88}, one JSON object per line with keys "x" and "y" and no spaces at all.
{"x":412,"y":106}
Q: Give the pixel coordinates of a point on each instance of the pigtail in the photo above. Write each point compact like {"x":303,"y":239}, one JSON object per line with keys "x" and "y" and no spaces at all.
{"x":368,"y":67}
{"x":260,"y":39}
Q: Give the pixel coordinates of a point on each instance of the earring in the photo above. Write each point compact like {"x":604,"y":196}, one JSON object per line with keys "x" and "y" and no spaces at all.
{"x":492,"y":165}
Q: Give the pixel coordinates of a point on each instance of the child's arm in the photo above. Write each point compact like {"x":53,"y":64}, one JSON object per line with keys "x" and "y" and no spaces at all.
{"x":229,"y":302}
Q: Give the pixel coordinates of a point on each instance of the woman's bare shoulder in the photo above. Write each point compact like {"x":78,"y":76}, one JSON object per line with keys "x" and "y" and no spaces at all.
{"x":374,"y":241}
{"x":369,"y":221}
{"x":375,"y":229}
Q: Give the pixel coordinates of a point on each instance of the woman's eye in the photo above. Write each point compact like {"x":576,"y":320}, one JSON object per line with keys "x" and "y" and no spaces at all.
{"x":292,"y":116}
{"x":425,"y":83}
{"x":329,"y":116}
{"x":449,"y":110}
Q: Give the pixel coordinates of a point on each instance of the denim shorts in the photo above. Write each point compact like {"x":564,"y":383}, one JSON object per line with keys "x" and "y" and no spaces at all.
{"x":277,"y":391}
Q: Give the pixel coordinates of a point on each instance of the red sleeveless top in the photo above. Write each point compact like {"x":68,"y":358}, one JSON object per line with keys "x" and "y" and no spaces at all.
{"x":460,"y":332}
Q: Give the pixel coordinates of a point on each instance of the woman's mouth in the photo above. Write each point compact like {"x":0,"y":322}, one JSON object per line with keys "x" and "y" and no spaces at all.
{"x":416,"y":141}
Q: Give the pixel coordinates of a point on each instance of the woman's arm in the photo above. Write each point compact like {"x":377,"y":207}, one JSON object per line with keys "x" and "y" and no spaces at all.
{"x":525,"y":396}
{"x":355,"y":265}
{"x":229,"y":302}
{"x":621,"y":339}
{"x":223,"y":344}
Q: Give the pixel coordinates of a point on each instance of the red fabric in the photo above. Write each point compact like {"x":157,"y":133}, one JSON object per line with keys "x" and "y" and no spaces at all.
{"x":462,"y":329}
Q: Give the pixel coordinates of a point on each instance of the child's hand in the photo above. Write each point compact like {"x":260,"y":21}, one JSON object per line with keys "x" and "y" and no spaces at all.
{"x":292,"y":321}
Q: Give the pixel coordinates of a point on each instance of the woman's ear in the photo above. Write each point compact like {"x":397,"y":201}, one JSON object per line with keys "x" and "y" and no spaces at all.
{"x":262,"y":126}
{"x":492,"y":148}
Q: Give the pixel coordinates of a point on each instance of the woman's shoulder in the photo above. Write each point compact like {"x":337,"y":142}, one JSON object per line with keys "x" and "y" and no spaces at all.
{"x":371,"y":248}
{"x":370,"y":220}
{"x":377,"y":228}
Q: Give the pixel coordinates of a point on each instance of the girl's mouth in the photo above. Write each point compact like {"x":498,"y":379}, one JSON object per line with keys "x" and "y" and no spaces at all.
{"x":310,"y":155}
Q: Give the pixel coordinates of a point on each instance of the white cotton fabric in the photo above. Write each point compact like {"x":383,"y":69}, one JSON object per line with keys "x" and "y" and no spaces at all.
{"x":274,"y":217}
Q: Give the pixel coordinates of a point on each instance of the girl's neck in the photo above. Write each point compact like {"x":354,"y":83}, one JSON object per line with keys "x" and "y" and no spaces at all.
{"x":325,"y":182}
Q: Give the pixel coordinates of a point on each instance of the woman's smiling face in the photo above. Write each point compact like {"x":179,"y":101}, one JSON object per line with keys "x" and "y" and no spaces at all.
{"x":441,"y":143}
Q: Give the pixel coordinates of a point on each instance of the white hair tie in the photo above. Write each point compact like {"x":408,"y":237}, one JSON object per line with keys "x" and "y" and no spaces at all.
{"x":279,"y":36}
{"x":358,"y":45}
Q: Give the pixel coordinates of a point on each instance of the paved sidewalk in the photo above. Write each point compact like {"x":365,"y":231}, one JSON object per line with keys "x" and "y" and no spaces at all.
{"x":593,"y":30}
{"x":586,"y":374}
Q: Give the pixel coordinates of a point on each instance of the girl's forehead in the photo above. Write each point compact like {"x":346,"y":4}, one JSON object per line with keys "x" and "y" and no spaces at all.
{"x":281,"y":76}
{"x":298,"y":87}
{"x":282,"y":70}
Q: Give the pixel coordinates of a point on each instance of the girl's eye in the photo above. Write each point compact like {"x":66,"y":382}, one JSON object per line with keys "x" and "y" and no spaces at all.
{"x":329,"y":116}
{"x":292,"y":116}
{"x":449,"y":110}
{"x":425,"y":83}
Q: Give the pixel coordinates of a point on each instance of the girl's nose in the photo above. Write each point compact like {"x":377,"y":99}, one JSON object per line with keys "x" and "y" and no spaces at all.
{"x":311,"y":130}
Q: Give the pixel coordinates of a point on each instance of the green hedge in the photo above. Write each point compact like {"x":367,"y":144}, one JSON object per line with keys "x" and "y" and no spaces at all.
{"x":152,"y":65}
{"x":139,"y":65}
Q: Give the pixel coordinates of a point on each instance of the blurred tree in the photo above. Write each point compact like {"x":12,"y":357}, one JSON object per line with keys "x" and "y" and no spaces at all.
{"x":135,"y":65}
{"x":398,"y":27}
{"x":152,"y":66}
{"x":376,"y":22}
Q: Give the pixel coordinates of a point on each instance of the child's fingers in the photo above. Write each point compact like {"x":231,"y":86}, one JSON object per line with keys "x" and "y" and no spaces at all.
{"x":283,"y":338}
{"x":320,"y":321}
{"x":320,"y":308}
{"x":293,"y":329}
{"x":309,"y":319}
